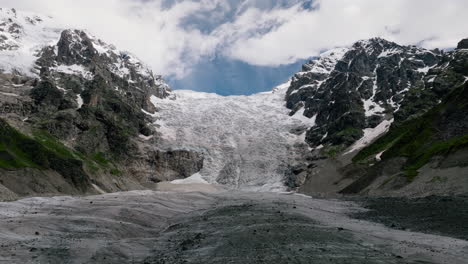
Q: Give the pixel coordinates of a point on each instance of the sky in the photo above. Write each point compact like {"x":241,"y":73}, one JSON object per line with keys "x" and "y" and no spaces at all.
{"x":246,"y":46}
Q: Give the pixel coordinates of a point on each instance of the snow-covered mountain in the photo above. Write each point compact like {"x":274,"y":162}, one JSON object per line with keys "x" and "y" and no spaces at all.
{"x":358,"y":94}
{"x":83,"y":102}
{"x":357,"y":88}
{"x":31,"y":43}
{"x":22,"y":37}
{"x":80,"y":116}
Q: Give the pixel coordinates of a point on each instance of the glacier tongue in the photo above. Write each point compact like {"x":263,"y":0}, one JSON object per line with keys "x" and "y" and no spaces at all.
{"x":246,"y":140}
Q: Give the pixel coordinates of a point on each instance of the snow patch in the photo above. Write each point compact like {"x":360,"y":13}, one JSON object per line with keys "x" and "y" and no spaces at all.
{"x":61,"y":89}
{"x":148,"y":113}
{"x":74,"y":69}
{"x":327,"y":61}
{"x":378,"y":157}
{"x":9,"y":94}
{"x":299,"y":115}
{"x":195,"y":178}
{"x":370,"y":134}
{"x":101,"y":191}
{"x":370,"y":106}
{"x":145,"y":137}
{"x":79,"y":100}
{"x":424,"y":70}
{"x":389,"y":53}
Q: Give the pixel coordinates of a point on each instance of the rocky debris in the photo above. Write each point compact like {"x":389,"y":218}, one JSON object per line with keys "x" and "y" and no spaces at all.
{"x":441,"y":215}
{"x":297,"y":175}
{"x":238,"y":227}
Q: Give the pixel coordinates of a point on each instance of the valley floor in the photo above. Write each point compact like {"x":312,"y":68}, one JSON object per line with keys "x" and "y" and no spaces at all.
{"x":213,"y":226}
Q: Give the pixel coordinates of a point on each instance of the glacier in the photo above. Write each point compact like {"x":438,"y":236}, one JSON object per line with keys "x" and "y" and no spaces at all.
{"x":247,"y":141}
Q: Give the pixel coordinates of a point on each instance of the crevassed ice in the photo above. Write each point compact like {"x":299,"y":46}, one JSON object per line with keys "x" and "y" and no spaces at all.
{"x":246,"y":140}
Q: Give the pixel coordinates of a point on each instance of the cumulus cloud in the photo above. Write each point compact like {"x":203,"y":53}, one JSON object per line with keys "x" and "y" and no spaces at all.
{"x":173,"y":35}
{"x":332,"y":23}
{"x":145,"y":28}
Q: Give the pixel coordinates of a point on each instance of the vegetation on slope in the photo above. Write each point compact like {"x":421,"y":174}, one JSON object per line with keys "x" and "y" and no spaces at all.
{"x":439,"y":132}
{"x":45,"y":152}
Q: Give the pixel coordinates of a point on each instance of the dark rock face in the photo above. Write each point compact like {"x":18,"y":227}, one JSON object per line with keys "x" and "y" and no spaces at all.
{"x":75,"y":47}
{"x":101,"y":91}
{"x":176,"y":164}
{"x":347,"y":90}
{"x":111,"y":94}
{"x":463,"y":44}
{"x":87,"y":57}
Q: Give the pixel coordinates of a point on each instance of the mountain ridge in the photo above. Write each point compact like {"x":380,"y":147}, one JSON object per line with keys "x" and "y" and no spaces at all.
{"x":399,"y":85}
{"x":82,"y":101}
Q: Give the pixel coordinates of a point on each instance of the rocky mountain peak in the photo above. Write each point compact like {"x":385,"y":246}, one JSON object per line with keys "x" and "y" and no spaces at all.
{"x":37,"y":46}
{"x":348,"y":90}
{"x":81,"y":54}
{"x":92,"y":100}
{"x":75,"y":47}
{"x":374,"y":45}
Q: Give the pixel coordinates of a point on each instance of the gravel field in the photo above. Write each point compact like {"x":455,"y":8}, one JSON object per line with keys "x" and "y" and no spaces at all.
{"x":208,"y":227}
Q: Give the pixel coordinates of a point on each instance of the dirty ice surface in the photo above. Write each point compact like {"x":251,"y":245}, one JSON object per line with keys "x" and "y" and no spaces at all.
{"x":207,"y":227}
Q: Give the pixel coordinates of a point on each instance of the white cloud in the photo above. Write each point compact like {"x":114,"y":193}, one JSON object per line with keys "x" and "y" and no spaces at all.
{"x":269,"y":36}
{"x":144,"y":28}
{"x":432,"y":23}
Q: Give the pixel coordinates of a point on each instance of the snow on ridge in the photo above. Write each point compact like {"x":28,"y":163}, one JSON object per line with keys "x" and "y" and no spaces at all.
{"x":74,"y":69}
{"x":389,"y":52}
{"x":370,"y":106}
{"x":327,"y":61}
{"x":26,"y":34}
{"x":123,"y":60}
